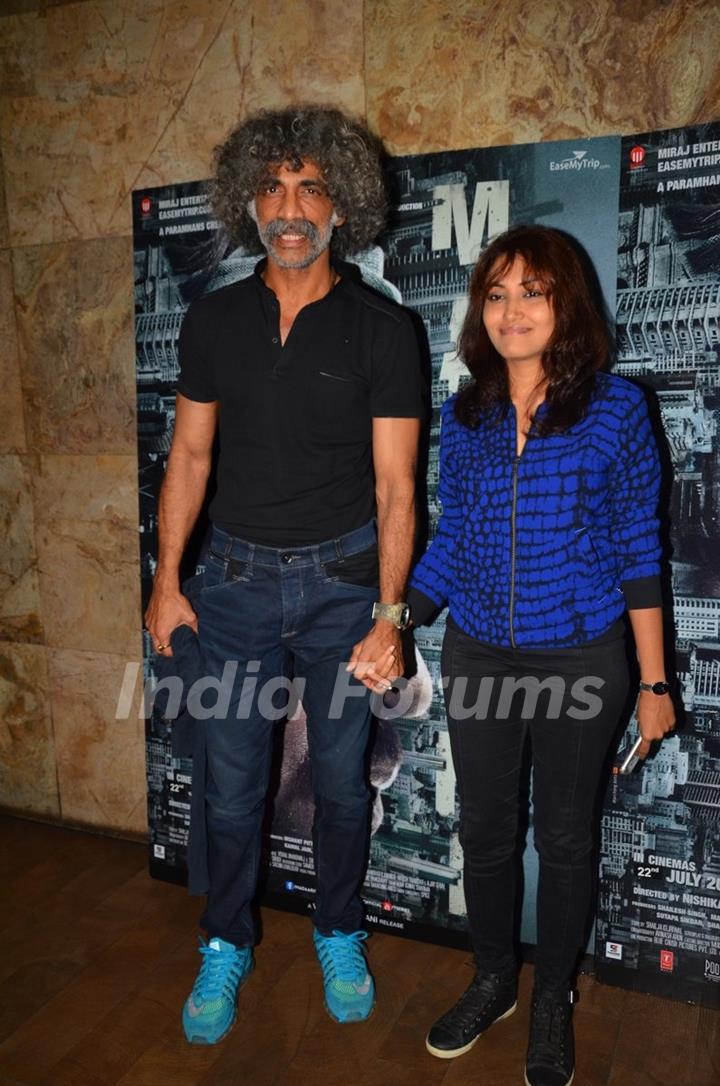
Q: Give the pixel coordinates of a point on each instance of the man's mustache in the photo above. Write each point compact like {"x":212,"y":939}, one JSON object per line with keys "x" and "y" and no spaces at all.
{"x":277,"y":227}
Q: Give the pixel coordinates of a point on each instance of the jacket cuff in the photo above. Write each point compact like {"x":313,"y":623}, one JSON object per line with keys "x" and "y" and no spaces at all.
{"x":642,"y":592}
{"x":423,"y":609}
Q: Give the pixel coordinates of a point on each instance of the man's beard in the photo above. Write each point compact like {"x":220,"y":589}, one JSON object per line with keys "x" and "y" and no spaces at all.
{"x":319,"y":240}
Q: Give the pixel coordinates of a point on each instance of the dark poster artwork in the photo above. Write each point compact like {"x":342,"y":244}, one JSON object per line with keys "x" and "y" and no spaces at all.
{"x":659,"y":903}
{"x":448,"y":205}
{"x":175,"y":259}
{"x":180,"y":254}
{"x":659,"y":907}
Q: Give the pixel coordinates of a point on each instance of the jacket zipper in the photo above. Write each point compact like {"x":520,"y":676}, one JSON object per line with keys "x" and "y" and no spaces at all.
{"x":516,"y":464}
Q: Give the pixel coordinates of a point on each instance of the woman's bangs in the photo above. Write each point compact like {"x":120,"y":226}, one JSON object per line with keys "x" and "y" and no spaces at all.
{"x":537,"y":265}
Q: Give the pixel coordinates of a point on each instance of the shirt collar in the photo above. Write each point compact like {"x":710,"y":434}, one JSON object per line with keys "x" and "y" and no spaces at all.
{"x":345,"y":269}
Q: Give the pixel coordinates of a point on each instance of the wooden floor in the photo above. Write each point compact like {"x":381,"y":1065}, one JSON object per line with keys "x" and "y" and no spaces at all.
{"x":96,"y":960}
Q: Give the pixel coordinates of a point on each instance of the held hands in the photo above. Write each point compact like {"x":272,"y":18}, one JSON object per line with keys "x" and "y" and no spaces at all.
{"x":377,"y":660}
{"x":655,"y":717}
{"x":167,"y":610}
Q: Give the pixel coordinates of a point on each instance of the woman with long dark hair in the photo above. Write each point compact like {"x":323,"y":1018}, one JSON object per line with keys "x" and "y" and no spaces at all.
{"x":549,"y":482}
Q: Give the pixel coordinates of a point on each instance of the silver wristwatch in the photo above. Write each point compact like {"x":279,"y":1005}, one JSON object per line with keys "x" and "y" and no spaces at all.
{"x":397,"y":613}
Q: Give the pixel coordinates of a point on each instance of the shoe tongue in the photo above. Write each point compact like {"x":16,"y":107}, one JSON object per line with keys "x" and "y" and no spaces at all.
{"x":214,"y":944}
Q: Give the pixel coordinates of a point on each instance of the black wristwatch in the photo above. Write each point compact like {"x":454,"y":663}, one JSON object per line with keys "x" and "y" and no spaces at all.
{"x":397,"y":613}
{"x":656,"y":688}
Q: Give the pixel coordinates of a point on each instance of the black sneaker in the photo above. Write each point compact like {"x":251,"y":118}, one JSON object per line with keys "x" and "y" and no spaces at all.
{"x":490,"y":997}
{"x":551,"y":1048}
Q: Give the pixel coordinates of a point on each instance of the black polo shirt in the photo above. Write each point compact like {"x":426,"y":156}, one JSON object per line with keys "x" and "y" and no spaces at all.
{"x":296,"y":420}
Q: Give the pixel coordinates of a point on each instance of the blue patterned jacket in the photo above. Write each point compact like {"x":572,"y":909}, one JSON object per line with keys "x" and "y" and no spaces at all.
{"x":531,"y":551}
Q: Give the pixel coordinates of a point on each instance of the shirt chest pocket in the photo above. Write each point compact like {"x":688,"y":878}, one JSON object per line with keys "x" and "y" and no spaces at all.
{"x":338,"y":406}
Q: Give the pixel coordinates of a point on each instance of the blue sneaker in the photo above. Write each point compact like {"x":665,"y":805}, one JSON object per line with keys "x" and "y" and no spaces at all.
{"x":349,"y":988}
{"x":210,"y":1009}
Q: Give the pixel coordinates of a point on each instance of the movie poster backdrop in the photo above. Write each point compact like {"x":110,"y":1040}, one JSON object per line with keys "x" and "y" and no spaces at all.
{"x":650,"y":226}
{"x":658,"y":920}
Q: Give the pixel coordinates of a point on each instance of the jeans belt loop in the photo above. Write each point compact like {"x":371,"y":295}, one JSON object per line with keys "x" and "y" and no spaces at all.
{"x":227,"y":543}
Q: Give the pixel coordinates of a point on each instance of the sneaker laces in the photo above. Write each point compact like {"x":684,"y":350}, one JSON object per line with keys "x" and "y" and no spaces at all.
{"x":341,"y":956}
{"x":220,"y":972}
{"x":471,"y":1004}
{"x":550,"y":1017}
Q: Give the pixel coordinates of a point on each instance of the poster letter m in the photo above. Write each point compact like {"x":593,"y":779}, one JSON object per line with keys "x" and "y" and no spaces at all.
{"x":490,"y":216}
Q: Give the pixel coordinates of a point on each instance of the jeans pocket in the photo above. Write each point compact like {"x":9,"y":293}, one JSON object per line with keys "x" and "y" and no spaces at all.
{"x":358,"y":570}
{"x":220,"y":571}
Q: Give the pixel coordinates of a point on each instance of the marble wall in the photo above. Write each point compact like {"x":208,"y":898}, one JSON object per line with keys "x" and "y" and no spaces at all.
{"x":99,"y":98}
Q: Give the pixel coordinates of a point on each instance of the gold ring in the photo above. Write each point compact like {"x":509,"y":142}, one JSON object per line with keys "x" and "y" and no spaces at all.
{"x":161,"y":648}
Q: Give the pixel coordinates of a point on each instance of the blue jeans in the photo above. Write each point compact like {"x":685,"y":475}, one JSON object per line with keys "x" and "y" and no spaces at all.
{"x":285,"y":614}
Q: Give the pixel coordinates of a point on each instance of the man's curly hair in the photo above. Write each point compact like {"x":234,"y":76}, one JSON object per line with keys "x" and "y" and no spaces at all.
{"x":346,"y":152}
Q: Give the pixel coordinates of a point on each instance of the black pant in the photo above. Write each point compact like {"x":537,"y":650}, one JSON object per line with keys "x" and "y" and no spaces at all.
{"x":571,"y":722}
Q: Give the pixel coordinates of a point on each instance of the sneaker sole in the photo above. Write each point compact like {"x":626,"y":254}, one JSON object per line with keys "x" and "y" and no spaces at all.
{"x":528,"y":1083}
{"x":450,"y":1054}
{"x":198,"y":1039}
{"x":350,"y":1021}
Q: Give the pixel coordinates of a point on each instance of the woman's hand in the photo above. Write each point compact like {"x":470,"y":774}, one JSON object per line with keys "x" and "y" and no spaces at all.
{"x":378,"y":659}
{"x":655,"y":712}
{"x":655,"y":716}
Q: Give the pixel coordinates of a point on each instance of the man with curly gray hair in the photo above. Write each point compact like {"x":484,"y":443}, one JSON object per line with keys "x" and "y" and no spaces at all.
{"x":344,"y":150}
{"x":313,"y":382}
